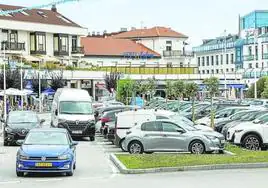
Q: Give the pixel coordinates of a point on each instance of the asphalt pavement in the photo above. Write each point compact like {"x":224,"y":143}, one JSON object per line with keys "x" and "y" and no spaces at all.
{"x":95,"y":170}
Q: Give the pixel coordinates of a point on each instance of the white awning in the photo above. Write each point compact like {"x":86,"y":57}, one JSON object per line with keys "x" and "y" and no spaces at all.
{"x":31,"y":58}
{"x":49,"y":58}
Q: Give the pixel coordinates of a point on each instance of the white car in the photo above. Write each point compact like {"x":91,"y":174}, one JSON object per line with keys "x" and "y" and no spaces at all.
{"x":251,"y":135}
{"x":221,"y":115}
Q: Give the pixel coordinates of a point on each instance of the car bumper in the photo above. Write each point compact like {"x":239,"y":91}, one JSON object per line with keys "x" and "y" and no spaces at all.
{"x":216,"y":145}
{"x":57,"y":166}
{"x":88,"y":131}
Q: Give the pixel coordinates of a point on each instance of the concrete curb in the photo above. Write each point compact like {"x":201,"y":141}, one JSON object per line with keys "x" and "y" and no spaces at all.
{"x":123,"y":170}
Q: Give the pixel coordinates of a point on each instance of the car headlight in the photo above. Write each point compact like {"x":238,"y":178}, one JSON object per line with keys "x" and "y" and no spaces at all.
{"x":211,"y":137}
{"x":63,"y":157}
{"x":62,"y":120}
{"x":238,"y":131}
{"x":8,"y":130}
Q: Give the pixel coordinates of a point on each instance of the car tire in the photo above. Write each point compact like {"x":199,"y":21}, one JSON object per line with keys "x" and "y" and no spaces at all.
{"x":19,"y":174}
{"x":197,"y":147}
{"x":209,"y":152}
{"x":148,"y":152}
{"x":135,"y":147}
{"x":92,"y":138}
{"x":70,"y":173}
{"x":74,"y":166}
{"x":121,"y":145}
{"x":252,"y":142}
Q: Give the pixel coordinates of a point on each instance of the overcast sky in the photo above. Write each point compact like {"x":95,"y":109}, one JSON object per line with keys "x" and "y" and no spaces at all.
{"x":198,"y":19}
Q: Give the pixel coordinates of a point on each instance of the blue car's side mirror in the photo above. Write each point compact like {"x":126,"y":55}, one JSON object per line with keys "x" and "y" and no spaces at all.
{"x":19,"y":142}
{"x":74,"y":143}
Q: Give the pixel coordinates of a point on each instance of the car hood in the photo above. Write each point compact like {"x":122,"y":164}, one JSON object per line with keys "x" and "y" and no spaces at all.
{"x":22,"y":126}
{"x":242,"y":125}
{"x":209,"y":133}
{"x":232,"y":124}
{"x":44,"y":150}
{"x":75,"y":117}
{"x":203,"y":128}
{"x":223,"y":122}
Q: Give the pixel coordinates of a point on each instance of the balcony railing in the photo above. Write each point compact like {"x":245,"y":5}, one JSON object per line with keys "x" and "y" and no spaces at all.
{"x":13,"y":46}
{"x":61,"y":53}
{"x":250,"y":58}
{"x":177,"y":53}
{"x":77,"y":50}
{"x":265,"y":56}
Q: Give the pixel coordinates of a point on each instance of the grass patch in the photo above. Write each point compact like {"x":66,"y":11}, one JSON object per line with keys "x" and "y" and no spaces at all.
{"x":181,"y":160}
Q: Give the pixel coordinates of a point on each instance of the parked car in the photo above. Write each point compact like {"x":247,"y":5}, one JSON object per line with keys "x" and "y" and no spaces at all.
{"x":18,"y":124}
{"x":169,"y":136}
{"x":244,"y":119}
{"x":251,"y":135}
{"x":47,"y":151}
{"x":221,"y":115}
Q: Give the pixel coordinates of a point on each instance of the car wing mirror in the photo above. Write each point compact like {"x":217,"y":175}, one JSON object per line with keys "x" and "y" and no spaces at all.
{"x":56,"y":112}
{"x":42,"y":121}
{"x":257,"y":121}
{"x":180,"y":131}
{"x":74,"y":143}
{"x":19,"y":142}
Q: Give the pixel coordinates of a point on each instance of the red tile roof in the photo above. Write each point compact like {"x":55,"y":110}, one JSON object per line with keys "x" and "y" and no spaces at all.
{"x":51,"y":17}
{"x":151,"y":32}
{"x":113,"y":47}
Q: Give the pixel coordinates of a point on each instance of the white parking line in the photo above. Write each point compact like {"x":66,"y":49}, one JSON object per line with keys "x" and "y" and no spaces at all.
{"x":48,"y":180}
{"x":9,"y":182}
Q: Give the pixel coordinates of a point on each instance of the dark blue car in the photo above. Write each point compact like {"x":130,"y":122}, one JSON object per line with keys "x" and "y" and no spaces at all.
{"x":46,"y":150}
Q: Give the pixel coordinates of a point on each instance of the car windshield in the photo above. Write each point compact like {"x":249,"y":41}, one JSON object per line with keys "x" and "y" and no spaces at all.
{"x":240,"y":115}
{"x":22,"y":119}
{"x":184,"y":122}
{"x":46,"y":138}
{"x":76,"y":107}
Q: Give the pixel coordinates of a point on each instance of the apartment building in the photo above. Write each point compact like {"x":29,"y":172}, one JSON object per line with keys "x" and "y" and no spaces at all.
{"x":216,"y":56}
{"x":40,"y":35}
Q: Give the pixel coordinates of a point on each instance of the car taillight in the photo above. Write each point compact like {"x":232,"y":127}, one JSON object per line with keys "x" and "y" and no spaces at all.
{"x":105,"y":119}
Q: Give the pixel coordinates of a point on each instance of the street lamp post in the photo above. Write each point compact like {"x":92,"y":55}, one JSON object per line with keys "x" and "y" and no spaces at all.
{"x":256,"y":61}
{"x":39,"y":84}
{"x":21,"y":82}
{"x":224,"y":54}
{"x":5,"y":97}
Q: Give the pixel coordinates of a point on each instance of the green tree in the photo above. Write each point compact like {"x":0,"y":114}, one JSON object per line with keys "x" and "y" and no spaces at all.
{"x":260,"y":88}
{"x":191,"y":90}
{"x":125,"y":90}
{"x":178,"y":89}
{"x":169,"y":89}
{"x":212,"y":87}
{"x":264,"y":94}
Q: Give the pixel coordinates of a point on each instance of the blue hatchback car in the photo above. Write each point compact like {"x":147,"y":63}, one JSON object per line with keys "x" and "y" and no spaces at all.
{"x":46,"y":150}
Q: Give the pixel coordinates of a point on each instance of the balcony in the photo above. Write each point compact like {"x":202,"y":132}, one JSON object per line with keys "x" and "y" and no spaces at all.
{"x":61,"y":53}
{"x":249,"y":58}
{"x":265,"y":56}
{"x":177,"y":53}
{"x":77,"y":50}
{"x":12,"y":46}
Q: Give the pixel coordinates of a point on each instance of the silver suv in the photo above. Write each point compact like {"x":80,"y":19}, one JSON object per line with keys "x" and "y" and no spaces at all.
{"x":170,"y":136}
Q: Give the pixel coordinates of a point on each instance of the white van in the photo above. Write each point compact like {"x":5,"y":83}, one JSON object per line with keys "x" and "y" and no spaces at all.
{"x":72,"y":109}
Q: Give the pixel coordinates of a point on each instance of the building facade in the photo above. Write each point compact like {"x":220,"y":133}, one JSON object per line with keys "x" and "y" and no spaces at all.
{"x":40,"y":35}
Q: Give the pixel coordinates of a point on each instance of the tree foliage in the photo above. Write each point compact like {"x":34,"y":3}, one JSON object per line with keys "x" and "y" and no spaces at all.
{"x":35,"y":83}
{"x":13,"y":79}
{"x":178,"y":89}
{"x":261,"y":84}
{"x":111,"y":81}
{"x":57,"y":80}
{"x":125,"y":90}
{"x":169,"y":89}
{"x":212,"y":87}
{"x":191,"y":90}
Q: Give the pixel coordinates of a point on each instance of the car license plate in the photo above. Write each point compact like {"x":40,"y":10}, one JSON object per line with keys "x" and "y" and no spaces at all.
{"x":43,"y":164}
{"x":77,"y":132}
{"x":222,"y":141}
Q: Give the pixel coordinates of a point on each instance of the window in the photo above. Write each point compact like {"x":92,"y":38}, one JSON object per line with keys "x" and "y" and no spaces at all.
{"x":203,"y":71}
{"x":74,"y":42}
{"x":232,"y":69}
{"x":151,"y":126}
{"x":63,"y":43}
{"x":203,"y":61}
{"x":221,"y":70}
{"x":257,"y":65}
{"x":169,"y":42}
{"x":64,"y":19}
{"x":232,"y":58}
{"x":250,"y":65}
{"x":227,"y":58}
{"x":207,"y":71}
{"x":212,"y":60}
{"x":221,"y":59}
{"x":56,"y":43}
{"x":13,"y":37}
{"x":168,"y":48}
{"x":249,"y":50}
{"x":207,"y":60}
{"x":217,"y":59}
{"x":227,"y":70}
{"x":38,"y":42}
{"x":170,"y":127}
{"x":212,"y":71}
{"x":5,"y":34}
{"x":198,"y":61}
{"x":217,"y":71}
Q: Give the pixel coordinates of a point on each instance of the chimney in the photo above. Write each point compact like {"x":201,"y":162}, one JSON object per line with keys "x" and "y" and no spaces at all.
{"x":54,"y":8}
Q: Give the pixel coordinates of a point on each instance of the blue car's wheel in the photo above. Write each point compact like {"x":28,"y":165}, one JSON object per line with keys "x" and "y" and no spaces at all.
{"x":19,"y":174}
{"x":71,"y":172}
